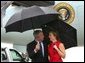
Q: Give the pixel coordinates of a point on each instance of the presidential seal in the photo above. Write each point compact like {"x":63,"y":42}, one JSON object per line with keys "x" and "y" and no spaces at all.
{"x":67,"y":13}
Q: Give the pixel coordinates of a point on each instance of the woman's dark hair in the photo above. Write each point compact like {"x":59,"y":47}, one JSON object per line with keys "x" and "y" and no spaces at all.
{"x":55,"y":34}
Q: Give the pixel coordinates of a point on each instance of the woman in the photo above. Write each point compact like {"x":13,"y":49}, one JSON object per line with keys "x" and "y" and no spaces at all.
{"x":56,"y":49}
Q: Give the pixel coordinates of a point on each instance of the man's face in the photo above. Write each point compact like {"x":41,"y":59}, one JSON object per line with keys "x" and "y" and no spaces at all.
{"x":40,"y":36}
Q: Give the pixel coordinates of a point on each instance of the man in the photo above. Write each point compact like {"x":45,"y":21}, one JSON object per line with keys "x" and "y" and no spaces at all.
{"x":37,"y":49}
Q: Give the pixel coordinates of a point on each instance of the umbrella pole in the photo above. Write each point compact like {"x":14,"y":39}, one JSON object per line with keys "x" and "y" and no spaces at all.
{"x":32,"y":25}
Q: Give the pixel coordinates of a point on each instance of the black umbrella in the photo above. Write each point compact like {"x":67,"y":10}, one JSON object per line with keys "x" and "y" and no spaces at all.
{"x":31,"y":3}
{"x":30,"y":18}
{"x":67,"y":34}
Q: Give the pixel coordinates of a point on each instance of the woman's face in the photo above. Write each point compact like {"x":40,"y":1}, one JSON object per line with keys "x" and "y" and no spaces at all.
{"x":51,"y":37}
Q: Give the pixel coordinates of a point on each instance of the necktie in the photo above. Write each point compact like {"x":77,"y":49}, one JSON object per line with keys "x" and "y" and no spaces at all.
{"x":42,"y":48}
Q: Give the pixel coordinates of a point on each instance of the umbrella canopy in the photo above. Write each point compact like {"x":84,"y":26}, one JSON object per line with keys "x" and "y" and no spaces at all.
{"x":30,"y":18}
{"x":66,"y":33}
{"x":31,"y":3}
{"x":4,"y":6}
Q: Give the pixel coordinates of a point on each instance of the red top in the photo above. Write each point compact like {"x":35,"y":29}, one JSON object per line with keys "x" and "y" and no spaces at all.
{"x":54,"y":56}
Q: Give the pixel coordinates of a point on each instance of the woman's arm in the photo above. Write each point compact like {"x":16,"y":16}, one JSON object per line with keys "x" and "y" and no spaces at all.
{"x":48,"y":57}
{"x":61,"y":50}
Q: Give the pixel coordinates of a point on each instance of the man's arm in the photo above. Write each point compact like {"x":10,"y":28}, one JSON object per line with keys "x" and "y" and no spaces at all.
{"x":30,"y":51}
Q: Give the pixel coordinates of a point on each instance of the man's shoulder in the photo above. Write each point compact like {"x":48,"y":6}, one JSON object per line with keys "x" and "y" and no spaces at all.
{"x":31,"y":43}
{"x":45,"y":42}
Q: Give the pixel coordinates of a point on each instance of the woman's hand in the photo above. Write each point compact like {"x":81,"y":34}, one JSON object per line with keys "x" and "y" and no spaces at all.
{"x":48,"y":57}
{"x":60,"y":50}
{"x":55,"y":47}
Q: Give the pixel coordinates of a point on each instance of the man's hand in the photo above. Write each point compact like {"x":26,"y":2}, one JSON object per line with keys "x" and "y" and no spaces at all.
{"x":37,"y":47}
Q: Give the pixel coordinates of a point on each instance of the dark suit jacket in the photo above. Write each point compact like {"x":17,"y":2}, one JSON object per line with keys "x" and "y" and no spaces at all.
{"x":37,"y":57}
